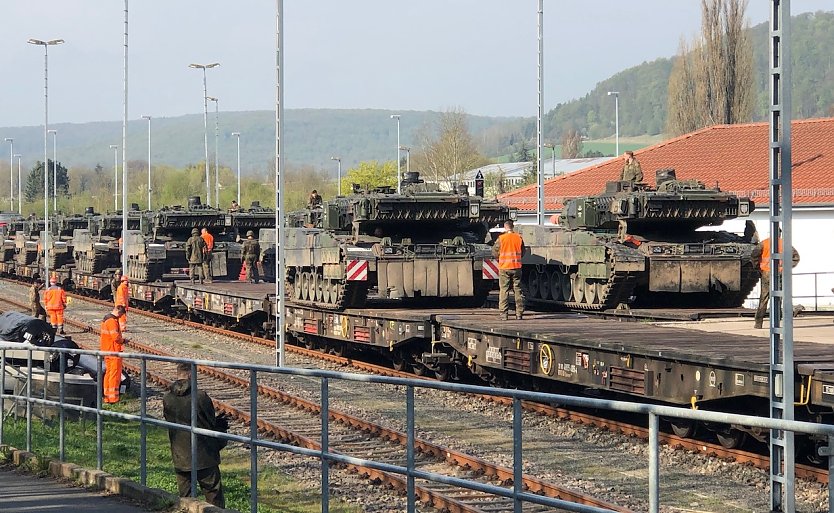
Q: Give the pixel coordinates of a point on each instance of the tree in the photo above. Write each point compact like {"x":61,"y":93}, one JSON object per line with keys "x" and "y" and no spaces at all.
{"x":571,"y":144}
{"x":495,"y":183}
{"x":712,"y":82}
{"x":523,"y":153}
{"x":34,"y":182}
{"x":446,"y":149}
{"x":370,"y":174}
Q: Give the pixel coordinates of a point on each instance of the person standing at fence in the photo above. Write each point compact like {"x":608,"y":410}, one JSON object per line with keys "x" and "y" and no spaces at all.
{"x":207,"y":253}
{"x":56,"y":301}
{"x":122,"y":298}
{"x":35,"y":300}
{"x":176,"y":407}
{"x":111,"y":340}
{"x":762,"y":254}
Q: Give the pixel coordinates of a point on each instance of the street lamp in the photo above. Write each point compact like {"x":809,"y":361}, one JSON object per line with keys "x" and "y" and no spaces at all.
{"x":553,"y":154}
{"x":46,"y":44}
{"x":150,"y":186}
{"x":54,"y":170}
{"x":399,"y":178}
{"x":338,"y":172}
{"x":115,"y":148}
{"x":237,"y":134}
{"x":216,"y":139}
{"x":18,"y":156}
{"x":616,"y":95}
{"x":204,"y":67}
{"x":407,"y":151}
{"x":10,"y":140}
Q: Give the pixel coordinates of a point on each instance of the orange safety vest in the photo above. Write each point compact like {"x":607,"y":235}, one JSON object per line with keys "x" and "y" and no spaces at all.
{"x":111,"y":335}
{"x":764,"y":262}
{"x":509,"y":256}
{"x":55,"y":298}
{"x":209,"y":238}
{"x":122,"y":294}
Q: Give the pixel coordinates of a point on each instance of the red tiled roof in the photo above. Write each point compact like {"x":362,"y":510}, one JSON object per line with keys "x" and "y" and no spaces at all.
{"x":736,"y":157}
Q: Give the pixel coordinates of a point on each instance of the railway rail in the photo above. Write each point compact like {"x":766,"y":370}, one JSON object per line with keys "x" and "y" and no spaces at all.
{"x":349,"y":435}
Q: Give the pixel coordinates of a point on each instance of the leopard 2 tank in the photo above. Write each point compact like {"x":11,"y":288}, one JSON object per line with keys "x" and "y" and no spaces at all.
{"x":642,"y":245}
{"x":420,"y":244}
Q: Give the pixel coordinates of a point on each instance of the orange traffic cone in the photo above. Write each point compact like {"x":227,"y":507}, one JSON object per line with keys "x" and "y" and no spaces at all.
{"x":242,"y":275}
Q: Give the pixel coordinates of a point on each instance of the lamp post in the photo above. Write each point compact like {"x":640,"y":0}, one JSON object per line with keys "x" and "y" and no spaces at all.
{"x":204,"y":67}
{"x":552,"y":147}
{"x":18,"y":156}
{"x":407,"y":151}
{"x":399,"y":178}
{"x":338,"y":172}
{"x":46,"y":44}
{"x":10,"y":140}
{"x":616,"y":95}
{"x":150,"y":186}
{"x":237,"y":134}
{"x":54,"y":170}
{"x":115,"y":148}
{"x":216,"y":139}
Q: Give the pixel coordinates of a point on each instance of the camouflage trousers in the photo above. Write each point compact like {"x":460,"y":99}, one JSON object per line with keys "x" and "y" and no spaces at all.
{"x":37,"y":311}
{"x":195,"y":272}
{"x":508,"y":278}
{"x":764,"y":300}
{"x":251,"y":270}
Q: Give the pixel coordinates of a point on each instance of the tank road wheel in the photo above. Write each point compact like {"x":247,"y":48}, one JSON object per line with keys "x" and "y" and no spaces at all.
{"x":556,"y":285}
{"x":544,"y":285}
{"x":305,"y":286}
{"x":296,"y":287}
{"x":326,"y":287}
{"x":578,"y":288}
{"x":533,"y":283}
{"x":311,"y":286}
{"x":591,"y":296}
{"x":318,"y":285}
{"x":337,"y":292}
{"x":566,"y":286}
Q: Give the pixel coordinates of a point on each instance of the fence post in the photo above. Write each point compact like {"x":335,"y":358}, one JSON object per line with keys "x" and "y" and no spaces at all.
{"x":253,"y":437}
{"x":654,"y":464}
{"x":62,"y":369}
{"x":99,"y":420}
{"x":2,"y":394}
{"x":517,"y":455}
{"x":409,"y":454}
{"x":325,"y":446}
{"x":193,"y":425}
{"x":830,"y":451}
{"x":143,"y":428}
{"x":29,"y":401}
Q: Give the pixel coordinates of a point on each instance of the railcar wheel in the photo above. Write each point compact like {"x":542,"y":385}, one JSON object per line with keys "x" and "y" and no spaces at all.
{"x":684,"y":428}
{"x":578,"y":288}
{"x":533,"y":284}
{"x":544,"y":285}
{"x":731,"y":439}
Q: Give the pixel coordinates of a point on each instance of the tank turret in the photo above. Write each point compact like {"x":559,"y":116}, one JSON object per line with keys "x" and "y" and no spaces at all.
{"x":644,"y":245}
{"x":422,"y":243}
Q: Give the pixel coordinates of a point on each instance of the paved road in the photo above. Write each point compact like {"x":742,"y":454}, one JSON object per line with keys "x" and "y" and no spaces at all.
{"x":30,"y":494}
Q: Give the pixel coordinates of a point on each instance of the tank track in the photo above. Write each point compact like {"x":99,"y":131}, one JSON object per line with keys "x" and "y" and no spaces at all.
{"x":350,"y":294}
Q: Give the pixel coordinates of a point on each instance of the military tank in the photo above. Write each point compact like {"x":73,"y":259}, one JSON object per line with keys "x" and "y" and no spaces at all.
{"x":422,"y":244}
{"x":642,"y":245}
{"x":96,"y":247}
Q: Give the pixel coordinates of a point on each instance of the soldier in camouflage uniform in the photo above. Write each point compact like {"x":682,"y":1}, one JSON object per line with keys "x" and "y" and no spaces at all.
{"x":251,"y":256}
{"x":35,"y":300}
{"x":631,"y":170}
{"x":114,"y":282}
{"x":195,"y":248}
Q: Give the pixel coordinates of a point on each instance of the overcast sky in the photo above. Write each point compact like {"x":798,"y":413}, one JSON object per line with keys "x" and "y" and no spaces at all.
{"x":479,"y":55}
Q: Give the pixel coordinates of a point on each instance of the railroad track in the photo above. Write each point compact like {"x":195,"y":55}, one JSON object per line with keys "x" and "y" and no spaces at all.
{"x":712,"y":449}
{"x":295,"y":420}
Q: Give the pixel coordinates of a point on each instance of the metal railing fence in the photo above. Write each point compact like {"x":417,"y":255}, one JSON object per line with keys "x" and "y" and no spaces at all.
{"x":409,"y":470}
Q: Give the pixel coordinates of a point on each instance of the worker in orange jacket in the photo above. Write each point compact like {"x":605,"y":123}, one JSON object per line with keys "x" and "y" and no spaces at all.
{"x":122,"y":298}
{"x":509,"y":248}
{"x":207,"y":253}
{"x":111,"y":340}
{"x":762,"y":254}
{"x":55,"y":301}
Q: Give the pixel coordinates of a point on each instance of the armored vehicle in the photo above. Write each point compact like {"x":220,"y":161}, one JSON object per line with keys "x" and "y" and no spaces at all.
{"x":643,"y":245}
{"x":156,"y":250}
{"x":96,"y":247}
{"x":420,"y":244}
{"x":255,"y":218}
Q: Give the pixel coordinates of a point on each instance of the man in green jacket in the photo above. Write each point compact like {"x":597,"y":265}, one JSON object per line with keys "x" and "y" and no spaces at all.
{"x":176,"y":407}
{"x":631,"y":169}
{"x":195,"y":249}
